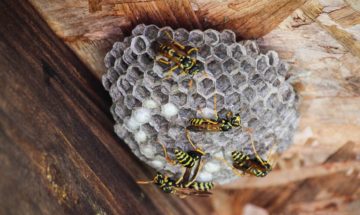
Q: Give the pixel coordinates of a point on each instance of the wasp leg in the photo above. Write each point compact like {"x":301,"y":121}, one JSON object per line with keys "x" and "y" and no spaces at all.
{"x":182,"y":176}
{"x":170,"y":72}
{"x":178,"y":45}
{"x":191,"y":142}
{"x":196,"y":173}
{"x":162,"y":60}
{"x":192,"y":50}
{"x":167,"y":158}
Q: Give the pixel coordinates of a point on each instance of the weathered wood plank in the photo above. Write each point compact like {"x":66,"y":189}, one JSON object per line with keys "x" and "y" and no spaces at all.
{"x":55,"y":114}
{"x":90,"y":27}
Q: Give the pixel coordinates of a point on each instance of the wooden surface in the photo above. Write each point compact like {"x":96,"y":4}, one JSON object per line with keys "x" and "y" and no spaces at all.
{"x":58,"y":153}
{"x":90,"y":27}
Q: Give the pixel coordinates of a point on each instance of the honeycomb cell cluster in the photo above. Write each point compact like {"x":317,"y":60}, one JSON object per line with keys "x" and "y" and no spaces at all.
{"x":149,"y":109}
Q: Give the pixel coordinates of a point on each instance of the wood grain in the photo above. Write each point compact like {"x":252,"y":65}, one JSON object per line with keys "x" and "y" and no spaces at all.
{"x":58,"y":149}
{"x":91,"y":27}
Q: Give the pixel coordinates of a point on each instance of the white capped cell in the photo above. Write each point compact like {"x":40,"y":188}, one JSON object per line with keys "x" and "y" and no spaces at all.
{"x":149,"y":103}
{"x":142,"y":115}
{"x":140,"y":136}
{"x":168,"y":110}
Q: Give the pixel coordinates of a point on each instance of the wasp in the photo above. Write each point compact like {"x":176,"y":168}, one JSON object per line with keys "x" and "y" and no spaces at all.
{"x":214,"y":125}
{"x":253,"y":166}
{"x":180,"y":188}
{"x":179,"y":56}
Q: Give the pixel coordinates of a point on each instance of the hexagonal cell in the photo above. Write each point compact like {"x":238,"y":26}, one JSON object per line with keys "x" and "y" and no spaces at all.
{"x":121,"y":110}
{"x":277,"y":82}
{"x":159,"y":123}
{"x":146,"y":61}
{"x":140,"y":92}
{"x":263,"y":89}
{"x":197,"y":101}
{"x":118,"y":49}
{"x":231,"y":65}
{"x":139,"y":29}
{"x":238,"y":80}
{"x":286,"y":93}
{"x":151,"y":79}
{"x":196,"y":38}
{"x":251,"y":47}
{"x":247,"y":65}
{"x":228,"y":37}
{"x":105,"y":82}
{"x":181,"y":35}
{"x":124,"y":86}
{"x":133,"y":74}
{"x":272,"y":101}
{"x":112,"y":75}
{"x":165,"y":34}
{"x":178,"y":99}
{"x":206,"y":86}
{"x":148,"y":129}
{"x":159,"y":96}
{"x":282,"y":69}
{"x":219,"y":101}
{"x":168,"y":86}
{"x":109,"y":60}
{"x":129,"y":56}
{"x":186,"y":114}
{"x":220,"y":51}
{"x":114,"y":92}
{"x":233,"y":100}
{"x":270,"y":74}
{"x":214,"y":67}
{"x":244,"y":111}
{"x":139,"y":45}
{"x":120,"y":66}
{"x":273,"y":58}
{"x":187,"y":85}
{"x":176,"y":132}
{"x":223,"y":84}
{"x":262,"y":62}
{"x":204,"y":52}
{"x":151,"y":32}
{"x":258,"y":108}
{"x":257,"y":82}
{"x":211,"y":37}
{"x":249,"y":93}
{"x":237,"y":51}
{"x":253,"y":123}
{"x":131,"y":102}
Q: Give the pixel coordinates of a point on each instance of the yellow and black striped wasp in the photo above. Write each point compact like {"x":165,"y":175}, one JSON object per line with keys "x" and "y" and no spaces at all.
{"x":214,"y":125}
{"x":180,"y":188}
{"x":255,"y":166}
{"x":179,"y":57}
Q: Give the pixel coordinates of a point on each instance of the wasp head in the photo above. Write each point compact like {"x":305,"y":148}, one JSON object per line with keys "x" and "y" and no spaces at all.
{"x":236,"y":120}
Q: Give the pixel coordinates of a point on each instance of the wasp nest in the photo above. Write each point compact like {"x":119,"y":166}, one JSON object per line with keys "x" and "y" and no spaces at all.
{"x":149,"y":109}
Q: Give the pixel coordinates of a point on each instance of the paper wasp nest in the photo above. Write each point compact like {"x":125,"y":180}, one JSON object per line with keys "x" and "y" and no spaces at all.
{"x":149,"y":110}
